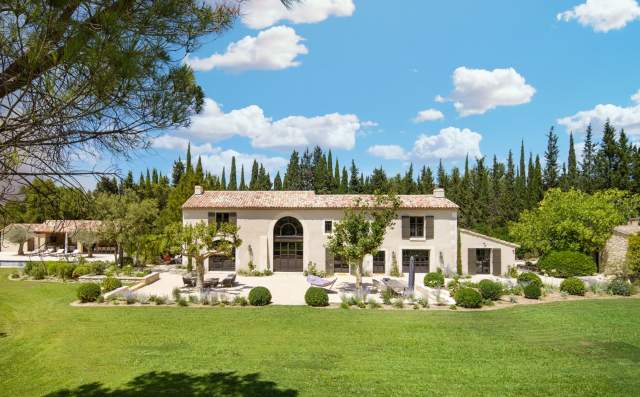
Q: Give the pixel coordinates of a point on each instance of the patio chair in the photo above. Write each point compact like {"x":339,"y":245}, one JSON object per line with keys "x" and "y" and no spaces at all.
{"x":229,"y":280}
{"x":188,"y":281}
{"x":321,"y":282}
{"x":210,"y":283}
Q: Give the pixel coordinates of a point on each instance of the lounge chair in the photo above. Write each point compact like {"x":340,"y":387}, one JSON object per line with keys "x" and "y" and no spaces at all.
{"x":320,"y":282}
{"x":229,"y":280}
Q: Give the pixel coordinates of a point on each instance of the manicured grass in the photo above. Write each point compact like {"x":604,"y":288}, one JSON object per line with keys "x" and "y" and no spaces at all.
{"x":571,"y":349}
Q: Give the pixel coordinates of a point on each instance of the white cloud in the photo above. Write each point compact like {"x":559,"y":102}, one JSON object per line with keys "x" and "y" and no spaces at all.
{"x":214,"y":158}
{"x":259,"y":14}
{"x":636,"y":97}
{"x":477,"y":91}
{"x":428,"y":115}
{"x":450,"y":143}
{"x":440,"y":99}
{"x":603,"y":15}
{"x":332,"y":130}
{"x":272,"y":49}
{"x":388,"y":152}
{"x":621,"y":117}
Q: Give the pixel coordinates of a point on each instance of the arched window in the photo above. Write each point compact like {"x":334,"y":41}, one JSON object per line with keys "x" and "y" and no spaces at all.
{"x":288,"y":227}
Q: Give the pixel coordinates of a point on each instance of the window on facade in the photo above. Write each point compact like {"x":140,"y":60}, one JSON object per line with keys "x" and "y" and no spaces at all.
{"x":328,"y":227}
{"x":416,"y":226}
{"x":222,"y":217}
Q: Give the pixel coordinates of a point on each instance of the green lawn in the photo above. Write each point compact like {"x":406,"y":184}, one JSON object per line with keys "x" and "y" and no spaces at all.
{"x":572,"y":348}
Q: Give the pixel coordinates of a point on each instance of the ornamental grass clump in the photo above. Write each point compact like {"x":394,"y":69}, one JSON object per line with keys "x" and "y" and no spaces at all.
{"x":573,"y":286}
{"x":259,"y":296}
{"x":620,"y":286}
{"x":316,"y":297}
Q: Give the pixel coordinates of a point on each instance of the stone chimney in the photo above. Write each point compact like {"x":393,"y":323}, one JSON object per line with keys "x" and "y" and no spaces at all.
{"x":198,"y":190}
{"x":438,"y":192}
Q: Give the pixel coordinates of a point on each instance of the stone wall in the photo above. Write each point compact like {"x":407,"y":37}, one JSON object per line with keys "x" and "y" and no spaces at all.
{"x":614,"y":254}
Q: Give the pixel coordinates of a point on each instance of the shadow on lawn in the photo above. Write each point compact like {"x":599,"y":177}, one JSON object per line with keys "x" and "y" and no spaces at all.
{"x":180,"y":384}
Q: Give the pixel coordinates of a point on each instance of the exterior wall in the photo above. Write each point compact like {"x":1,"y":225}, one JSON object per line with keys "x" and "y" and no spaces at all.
{"x":256,"y":231}
{"x":614,"y":254}
{"x":468,"y":240}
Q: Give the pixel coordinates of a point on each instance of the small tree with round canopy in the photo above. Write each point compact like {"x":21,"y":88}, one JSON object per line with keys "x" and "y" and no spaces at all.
{"x":87,"y":238}
{"x":361,"y":231}
{"x":201,"y":241}
{"x":18,"y":234}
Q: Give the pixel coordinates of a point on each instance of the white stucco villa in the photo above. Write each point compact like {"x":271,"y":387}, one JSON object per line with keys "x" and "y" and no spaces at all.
{"x":287,"y":230}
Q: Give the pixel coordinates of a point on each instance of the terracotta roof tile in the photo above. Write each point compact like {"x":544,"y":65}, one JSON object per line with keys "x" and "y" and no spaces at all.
{"x":302,"y":200}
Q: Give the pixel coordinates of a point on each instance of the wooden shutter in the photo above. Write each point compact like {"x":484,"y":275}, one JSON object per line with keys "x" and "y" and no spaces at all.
{"x":496,"y":254}
{"x":211,"y":218}
{"x":405,"y":227}
{"x":233,"y":218}
{"x":428,"y":227}
{"x":471,"y":261}
{"x":328,"y":261}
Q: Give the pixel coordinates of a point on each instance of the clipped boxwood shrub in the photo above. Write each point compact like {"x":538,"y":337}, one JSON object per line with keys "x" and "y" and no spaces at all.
{"x":532,"y":291}
{"x":527,"y":278}
{"x":619,"y":286}
{"x":111,"y":283}
{"x":88,"y":292}
{"x":567,"y":264}
{"x":434,"y":280}
{"x":573,"y":286}
{"x":490,"y":289}
{"x":316,"y":297}
{"x":259,"y":296}
{"x":468,"y":297}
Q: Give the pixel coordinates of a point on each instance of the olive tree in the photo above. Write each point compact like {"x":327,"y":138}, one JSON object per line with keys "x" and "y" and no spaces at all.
{"x":87,"y":238}
{"x":18,"y":234}
{"x":200,"y":241}
{"x":361,"y":231}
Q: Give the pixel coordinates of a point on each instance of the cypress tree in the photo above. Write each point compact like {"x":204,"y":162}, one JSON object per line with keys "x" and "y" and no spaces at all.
{"x":189,"y":165}
{"x":199,"y":174}
{"x":442,"y":176}
{"x":336,"y":178}
{"x":408,"y":185}
{"x":331,"y":185}
{"x":625,"y":156}
{"x":253,"y":182}
{"x":277,"y":182}
{"x":223,"y":180}
{"x":292,"y":175}
{"x":354,"y":182}
{"x":607,"y":158}
{"x":426,"y":181}
{"x":521,"y":194}
{"x":588,"y":162}
{"x":242,"y":184}
{"x":344,"y":181}
{"x":378,"y":180}
{"x":306,"y":171}
{"x":572,"y":166}
{"x":233,"y":179}
{"x":550,"y":176}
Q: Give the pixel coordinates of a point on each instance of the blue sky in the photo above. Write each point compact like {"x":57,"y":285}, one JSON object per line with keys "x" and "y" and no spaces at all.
{"x":353,"y":76}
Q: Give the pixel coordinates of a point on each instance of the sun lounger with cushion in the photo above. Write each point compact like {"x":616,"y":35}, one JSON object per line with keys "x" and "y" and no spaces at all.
{"x":320,"y":282}
{"x":229,"y":280}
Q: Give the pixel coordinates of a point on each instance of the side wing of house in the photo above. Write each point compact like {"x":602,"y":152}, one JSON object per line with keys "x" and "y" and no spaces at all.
{"x":482,"y":254}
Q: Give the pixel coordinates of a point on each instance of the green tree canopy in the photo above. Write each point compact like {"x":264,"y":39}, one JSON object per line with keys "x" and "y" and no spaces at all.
{"x":361,"y":231}
{"x":572,"y":220}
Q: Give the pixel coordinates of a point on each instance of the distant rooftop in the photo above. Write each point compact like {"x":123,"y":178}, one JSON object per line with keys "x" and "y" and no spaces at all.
{"x":304,"y":200}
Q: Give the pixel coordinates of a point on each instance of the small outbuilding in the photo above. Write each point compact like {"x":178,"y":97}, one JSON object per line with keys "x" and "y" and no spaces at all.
{"x":483,"y":254}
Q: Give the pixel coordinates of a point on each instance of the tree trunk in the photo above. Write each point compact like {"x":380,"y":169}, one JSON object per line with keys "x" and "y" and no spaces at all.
{"x":200,"y":273}
{"x":358,"y":269}
{"x":21,"y":249}
{"x":90,"y":251}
